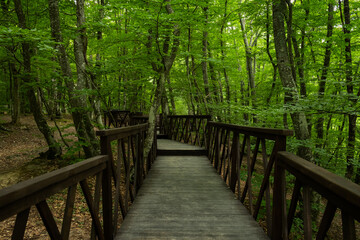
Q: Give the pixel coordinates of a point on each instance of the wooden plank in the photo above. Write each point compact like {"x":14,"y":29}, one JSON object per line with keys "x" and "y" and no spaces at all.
{"x":20,"y":224}
{"x":294,"y":200}
{"x":233,"y":163}
{"x":94,"y":214}
{"x":326,"y":220}
{"x":348,"y":226}
{"x":48,"y":220}
{"x":96,"y":202}
{"x":184,"y":197}
{"x":307,"y":213}
{"x":65,"y":229}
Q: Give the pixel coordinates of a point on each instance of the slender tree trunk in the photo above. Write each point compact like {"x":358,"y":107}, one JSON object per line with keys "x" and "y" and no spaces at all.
{"x":289,"y":20}
{"x":298,"y":55}
{"x":250,"y":61}
{"x":205,"y":58}
{"x":15,"y":94}
{"x":216,"y":91}
{"x":274,"y":65}
{"x":54,"y":148}
{"x":13,"y":74}
{"x":188,"y":73}
{"x":223,"y":56}
{"x":350,"y":88}
{"x":95,"y":78}
{"x":326,"y":64}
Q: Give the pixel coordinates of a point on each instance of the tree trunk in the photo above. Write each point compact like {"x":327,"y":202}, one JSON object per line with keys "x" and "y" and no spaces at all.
{"x":54,"y":148}
{"x":80,"y":45}
{"x":284,"y":66}
{"x":80,"y":117}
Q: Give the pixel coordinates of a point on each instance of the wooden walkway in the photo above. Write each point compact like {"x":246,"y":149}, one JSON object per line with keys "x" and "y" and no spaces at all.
{"x":184,"y":198}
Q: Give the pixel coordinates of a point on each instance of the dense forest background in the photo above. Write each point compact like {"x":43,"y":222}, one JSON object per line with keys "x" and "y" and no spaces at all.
{"x":272,"y":63}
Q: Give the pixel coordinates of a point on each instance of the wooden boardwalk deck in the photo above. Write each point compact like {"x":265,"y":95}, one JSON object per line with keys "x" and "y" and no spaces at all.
{"x":184,"y":198}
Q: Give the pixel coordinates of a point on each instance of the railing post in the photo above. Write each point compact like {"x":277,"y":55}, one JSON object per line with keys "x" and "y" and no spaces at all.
{"x":208,"y":137}
{"x":106,"y":190}
{"x":234,"y":160}
{"x":279,"y":219}
{"x":138,"y":162}
{"x":217,"y":148}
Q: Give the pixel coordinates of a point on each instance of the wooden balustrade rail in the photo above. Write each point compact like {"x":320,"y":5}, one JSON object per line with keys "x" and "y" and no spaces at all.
{"x":129,"y":155}
{"x":339,"y":192}
{"x":138,"y":120}
{"x":228,"y":145}
{"x":117,"y":118}
{"x":188,"y":128}
{"x":19,"y":198}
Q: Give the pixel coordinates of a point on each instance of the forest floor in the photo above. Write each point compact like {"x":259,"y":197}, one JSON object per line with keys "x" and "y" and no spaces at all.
{"x":20,"y":149}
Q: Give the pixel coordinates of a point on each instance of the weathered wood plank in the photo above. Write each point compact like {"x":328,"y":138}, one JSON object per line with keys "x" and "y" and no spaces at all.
{"x":184,"y":197}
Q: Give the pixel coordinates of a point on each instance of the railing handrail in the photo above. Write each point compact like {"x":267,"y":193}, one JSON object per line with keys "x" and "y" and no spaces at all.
{"x":338,"y":190}
{"x":269,"y":133}
{"x":123,"y":131}
{"x":21,"y":196}
{"x":140,"y":117}
{"x":189,"y":116}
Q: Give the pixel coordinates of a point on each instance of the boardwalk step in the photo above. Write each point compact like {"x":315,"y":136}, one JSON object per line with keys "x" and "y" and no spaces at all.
{"x":169,"y":152}
{"x":162,"y":136}
{"x":171,"y":148}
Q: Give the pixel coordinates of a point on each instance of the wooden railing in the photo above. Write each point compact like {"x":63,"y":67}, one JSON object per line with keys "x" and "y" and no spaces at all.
{"x":113,"y":174}
{"x":190,"y":129}
{"x":135,"y":120}
{"x":116,"y":118}
{"x":18,"y":199}
{"x":339,"y":192}
{"x":233,"y":151}
{"x":127,"y":162}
